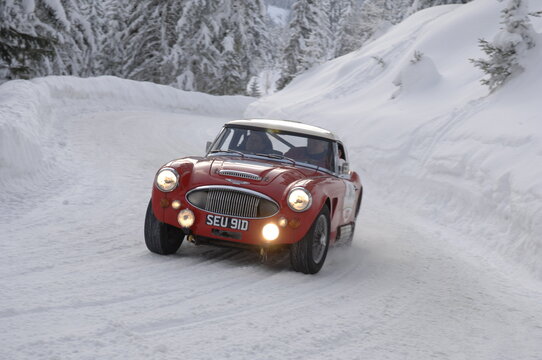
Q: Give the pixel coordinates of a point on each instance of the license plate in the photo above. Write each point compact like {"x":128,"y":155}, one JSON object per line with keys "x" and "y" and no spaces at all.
{"x":227,"y":222}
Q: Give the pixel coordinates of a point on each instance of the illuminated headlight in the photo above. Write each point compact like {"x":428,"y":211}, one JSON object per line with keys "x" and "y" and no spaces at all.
{"x":270,"y":232}
{"x":186,"y":218}
{"x":167,"y":179}
{"x":299,"y":199}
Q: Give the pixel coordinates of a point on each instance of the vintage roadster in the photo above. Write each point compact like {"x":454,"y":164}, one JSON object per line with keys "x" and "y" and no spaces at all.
{"x":263,"y":184}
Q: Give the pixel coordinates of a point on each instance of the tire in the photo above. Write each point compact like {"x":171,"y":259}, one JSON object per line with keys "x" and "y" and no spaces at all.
{"x":161,"y":238}
{"x":308,"y":254}
{"x":358,"y":205}
{"x":348,"y":241}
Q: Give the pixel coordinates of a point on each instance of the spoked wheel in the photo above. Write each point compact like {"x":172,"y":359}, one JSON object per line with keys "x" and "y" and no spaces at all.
{"x":320,"y":241}
{"x":308,"y":255}
{"x":161,"y":238}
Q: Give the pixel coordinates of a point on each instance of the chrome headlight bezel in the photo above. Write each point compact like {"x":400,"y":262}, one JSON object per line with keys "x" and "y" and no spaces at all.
{"x":308,"y":202}
{"x":160,"y":185}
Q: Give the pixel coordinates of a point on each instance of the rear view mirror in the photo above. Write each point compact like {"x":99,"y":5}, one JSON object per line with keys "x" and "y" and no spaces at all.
{"x":344,"y":169}
{"x":208,"y":146}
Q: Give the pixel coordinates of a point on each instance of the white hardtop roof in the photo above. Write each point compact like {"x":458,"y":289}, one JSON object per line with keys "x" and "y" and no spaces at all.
{"x":286,"y":125}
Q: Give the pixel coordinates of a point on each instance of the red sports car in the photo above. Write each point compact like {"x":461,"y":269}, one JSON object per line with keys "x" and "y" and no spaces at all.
{"x":263,"y":184}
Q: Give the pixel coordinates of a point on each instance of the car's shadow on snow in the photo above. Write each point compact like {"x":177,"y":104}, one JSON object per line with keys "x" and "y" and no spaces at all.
{"x":339,"y":258}
{"x":276,"y":261}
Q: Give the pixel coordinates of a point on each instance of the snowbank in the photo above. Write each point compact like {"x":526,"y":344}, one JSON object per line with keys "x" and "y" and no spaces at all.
{"x":30,"y":111}
{"x":417,"y":121}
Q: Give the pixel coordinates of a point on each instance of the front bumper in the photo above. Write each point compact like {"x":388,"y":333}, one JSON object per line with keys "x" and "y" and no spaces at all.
{"x":209,"y":228}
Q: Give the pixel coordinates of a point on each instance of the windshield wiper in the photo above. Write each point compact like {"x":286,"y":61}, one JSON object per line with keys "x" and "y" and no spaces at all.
{"x":277,"y":156}
{"x":227,"y":151}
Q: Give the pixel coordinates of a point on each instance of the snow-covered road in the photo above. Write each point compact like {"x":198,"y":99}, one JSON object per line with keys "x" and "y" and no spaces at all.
{"x":78,"y":283}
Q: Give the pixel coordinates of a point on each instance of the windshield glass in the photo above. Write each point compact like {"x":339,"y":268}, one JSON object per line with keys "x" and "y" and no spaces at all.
{"x":277,"y":145}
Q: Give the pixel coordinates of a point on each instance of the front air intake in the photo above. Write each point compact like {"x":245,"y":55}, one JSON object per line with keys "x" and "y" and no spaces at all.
{"x":232,"y":201}
{"x":239,"y":174}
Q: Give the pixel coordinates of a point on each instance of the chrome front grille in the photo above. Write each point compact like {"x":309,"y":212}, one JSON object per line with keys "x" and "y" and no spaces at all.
{"x":232,"y":201}
{"x":239,"y":174}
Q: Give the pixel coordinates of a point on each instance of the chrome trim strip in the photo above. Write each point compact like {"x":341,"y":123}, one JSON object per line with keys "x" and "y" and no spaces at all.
{"x":240,"y":174}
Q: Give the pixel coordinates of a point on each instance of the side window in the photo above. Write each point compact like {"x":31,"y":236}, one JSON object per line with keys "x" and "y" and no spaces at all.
{"x":341,"y":159}
{"x":342,"y":153}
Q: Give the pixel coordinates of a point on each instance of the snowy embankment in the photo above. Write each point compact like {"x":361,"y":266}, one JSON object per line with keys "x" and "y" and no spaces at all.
{"x":32,"y":115}
{"x":431,"y":137}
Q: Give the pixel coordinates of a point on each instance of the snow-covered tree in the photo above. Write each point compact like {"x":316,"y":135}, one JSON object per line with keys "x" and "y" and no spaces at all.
{"x":112,"y":40}
{"x":198,"y":48}
{"x":348,"y":36}
{"x":63,"y":22}
{"x":509,"y":46}
{"x":94,"y":11}
{"x":378,"y":15}
{"x":142,"y":39}
{"x":233,"y":75}
{"x":19,"y":52}
{"x":22,"y":52}
{"x":423,"y":4}
{"x":309,"y":40}
{"x":245,"y":23}
{"x":221,"y":45}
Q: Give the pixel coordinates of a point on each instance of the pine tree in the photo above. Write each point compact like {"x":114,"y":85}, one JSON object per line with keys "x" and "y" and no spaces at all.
{"x":308,"y":41}
{"x":418,"y":5}
{"x":94,"y":12}
{"x":232,"y":75}
{"x":19,"y":51}
{"x":143,"y":41}
{"x":508,"y":48}
{"x":63,"y":22}
{"x":198,"y":47}
{"x":349,"y":37}
{"x":113,"y":54}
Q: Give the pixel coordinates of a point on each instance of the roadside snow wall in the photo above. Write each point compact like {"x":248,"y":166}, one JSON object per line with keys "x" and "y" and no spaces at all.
{"x":418,"y":123}
{"x":30,"y":111}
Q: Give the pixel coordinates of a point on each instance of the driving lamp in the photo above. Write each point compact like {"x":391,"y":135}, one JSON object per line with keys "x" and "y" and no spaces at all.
{"x":186,"y":218}
{"x":270,"y":232}
{"x":299,"y":199}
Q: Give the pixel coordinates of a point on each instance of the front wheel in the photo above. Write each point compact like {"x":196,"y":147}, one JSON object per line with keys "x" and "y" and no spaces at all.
{"x":308,"y":255}
{"x":161,"y":238}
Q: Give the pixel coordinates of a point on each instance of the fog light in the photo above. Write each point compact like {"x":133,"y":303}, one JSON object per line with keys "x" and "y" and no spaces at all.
{"x":186,"y":218}
{"x":270,"y":232}
{"x":176,"y":204}
{"x":283,"y":222}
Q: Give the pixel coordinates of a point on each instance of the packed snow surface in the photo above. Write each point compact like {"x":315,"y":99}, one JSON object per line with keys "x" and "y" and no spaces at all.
{"x":444,"y":262}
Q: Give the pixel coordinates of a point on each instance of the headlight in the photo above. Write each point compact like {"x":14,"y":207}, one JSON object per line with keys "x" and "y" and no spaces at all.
{"x":167,"y":179}
{"x":299,"y":199}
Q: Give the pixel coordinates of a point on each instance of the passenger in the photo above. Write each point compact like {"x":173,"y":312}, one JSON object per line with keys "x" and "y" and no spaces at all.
{"x":316,"y":152}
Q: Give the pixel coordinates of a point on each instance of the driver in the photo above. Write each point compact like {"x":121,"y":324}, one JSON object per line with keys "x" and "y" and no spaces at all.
{"x":258,"y":142}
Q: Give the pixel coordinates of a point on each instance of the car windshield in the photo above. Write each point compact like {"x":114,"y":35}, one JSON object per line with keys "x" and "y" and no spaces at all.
{"x":279,"y":145}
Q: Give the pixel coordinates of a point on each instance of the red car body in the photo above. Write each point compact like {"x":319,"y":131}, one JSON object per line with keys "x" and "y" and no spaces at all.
{"x":234,"y":179}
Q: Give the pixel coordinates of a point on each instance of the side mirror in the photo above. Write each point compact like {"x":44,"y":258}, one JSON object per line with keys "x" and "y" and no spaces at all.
{"x":344,"y":169}
{"x":208,"y":146}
